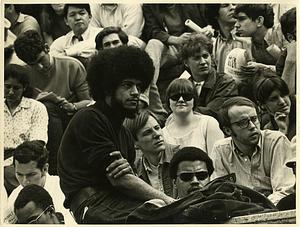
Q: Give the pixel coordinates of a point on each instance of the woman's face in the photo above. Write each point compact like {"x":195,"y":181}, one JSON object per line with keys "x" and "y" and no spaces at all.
{"x":181,"y":103}
{"x":278,"y":103}
{"x":58,"y":8}
{"x":13,"y":91}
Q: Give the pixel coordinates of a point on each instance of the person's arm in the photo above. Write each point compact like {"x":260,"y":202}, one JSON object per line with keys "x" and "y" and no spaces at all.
{"x":94,"y":19}
{"x":58,"y":46}
{"x":217,"y":159}
{"x":133,"y":19}
{"x":214,"y":133}
{"x":282,"y":178}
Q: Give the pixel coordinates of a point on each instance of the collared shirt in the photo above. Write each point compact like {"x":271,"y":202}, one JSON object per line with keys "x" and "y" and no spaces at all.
{"x":265,"y":171}
{"x":70,"y":45}
{"x":159,"y":177}
{"x":199,"y":86}
{"x":53,"y":188}
{"x":127,"y":16}
{"x":25,"y":23}
{"x":221,"y":48}
{"x":29,"y":121}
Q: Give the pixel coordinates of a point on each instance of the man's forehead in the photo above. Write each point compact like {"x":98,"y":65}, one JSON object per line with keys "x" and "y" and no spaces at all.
{"x":75,"y":9}
{"x":239,"y":112}
{"x":29,"y":165}
{"x":130,"y":80}
{"x":192,"y":165}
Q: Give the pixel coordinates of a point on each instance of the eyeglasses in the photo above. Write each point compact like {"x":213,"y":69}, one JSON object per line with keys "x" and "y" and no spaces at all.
{"x":246,"y":122}
{"x":188,"y":176}
{"x":34,"y":221}
{"x":185,"y":96}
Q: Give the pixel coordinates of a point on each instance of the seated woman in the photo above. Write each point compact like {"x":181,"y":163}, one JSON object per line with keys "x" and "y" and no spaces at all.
{"x":184,"y":126}
{"x":25,"y":119}
{"x":272,"y":96}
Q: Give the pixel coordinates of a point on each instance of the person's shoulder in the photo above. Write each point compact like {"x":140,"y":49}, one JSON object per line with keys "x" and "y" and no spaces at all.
{"x":268,"y":134}
{"x":29,"y":18}
{"x":66,"y":60}
{"x":223,"y":144}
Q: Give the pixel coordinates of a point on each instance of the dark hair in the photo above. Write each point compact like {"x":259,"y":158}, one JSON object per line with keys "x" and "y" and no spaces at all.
{"x":29,"y":45}
{"x":211,"y":15}
{"x":195,"y":44}
{"x":136,"y":124}
{"x":80,"y":6}
{"x":18,"y":8}
{"x":111,"y":66}
{"x":34,"y":150}
{"x":33,"y":193}
{"x":288,"y":23}
{"x":107,"y":31}
{"x":18,"y":72}
{"x":190,"y":154}
{"x":180,"y":85}
{"x":223,"y":116}
{"x":255,"y":10}
{"x":265,"y":83}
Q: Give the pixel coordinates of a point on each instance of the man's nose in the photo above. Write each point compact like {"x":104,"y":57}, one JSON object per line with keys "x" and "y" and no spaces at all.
{"x":194,"y":180}
{"x":237,"y":24}
{"x":281,"y":100}
{"x":11,"y":91}
{"x":134,"y":90}
{"x":25,"y":181}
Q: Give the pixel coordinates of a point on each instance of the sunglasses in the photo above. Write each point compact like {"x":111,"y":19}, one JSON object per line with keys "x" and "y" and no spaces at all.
{"x":188,"y":176}
{"x":34,"y":221}
{"x":185,"y":96}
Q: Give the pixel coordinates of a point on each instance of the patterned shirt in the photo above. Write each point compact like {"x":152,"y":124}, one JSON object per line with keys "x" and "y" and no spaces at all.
{"x":265,"y":171}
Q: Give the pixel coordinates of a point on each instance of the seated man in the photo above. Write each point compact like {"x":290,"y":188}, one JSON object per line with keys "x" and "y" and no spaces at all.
{"x":80,"y":41}
{"x":60,"y":82}
{"x":31,"y":167}
{"x":254,"y":20}
{"x":116,"y":78}
{"x":34,"y":205}
{"x":190,"y":169}
{"x":257,"y":157}
{"x":153,"y":165}
{"x":212,"y":88}
{"x":20,"y":22}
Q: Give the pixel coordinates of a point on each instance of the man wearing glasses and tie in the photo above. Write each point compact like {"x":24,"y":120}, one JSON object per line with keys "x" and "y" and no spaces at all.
{"x":257,"y":157}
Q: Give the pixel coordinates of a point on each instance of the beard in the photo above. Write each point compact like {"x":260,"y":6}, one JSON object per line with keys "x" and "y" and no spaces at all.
{"x":119,"y":108}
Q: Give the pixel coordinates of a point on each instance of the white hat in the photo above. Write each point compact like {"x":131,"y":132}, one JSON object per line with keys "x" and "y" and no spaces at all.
{"x":236,"y":58}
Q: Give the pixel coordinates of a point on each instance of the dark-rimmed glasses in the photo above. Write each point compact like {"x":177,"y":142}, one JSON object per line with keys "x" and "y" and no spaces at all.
{"x":34,"y":221}
{"x":188,"y":176}
{"x":246,"y":122}
{"x":185,"y":96}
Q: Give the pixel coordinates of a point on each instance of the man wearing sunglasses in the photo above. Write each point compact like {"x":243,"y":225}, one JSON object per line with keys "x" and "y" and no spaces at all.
{"x":190,"y":169}
{"x":34,"y":205}
{"x":257,"y":157}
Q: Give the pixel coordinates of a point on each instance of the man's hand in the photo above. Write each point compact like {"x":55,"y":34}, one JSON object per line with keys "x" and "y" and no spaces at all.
{"x":119,"y":167}
{"x":251,"y":67}
{"x":67,"y":106}
{"x":178,"y":40}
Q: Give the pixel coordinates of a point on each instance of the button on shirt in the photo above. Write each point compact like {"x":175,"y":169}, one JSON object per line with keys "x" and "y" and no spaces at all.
{"x":265,"y":171}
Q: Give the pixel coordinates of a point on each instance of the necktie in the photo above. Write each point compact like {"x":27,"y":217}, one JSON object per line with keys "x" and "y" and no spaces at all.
{"x":77,"y":39}
{"x":198,"y":86}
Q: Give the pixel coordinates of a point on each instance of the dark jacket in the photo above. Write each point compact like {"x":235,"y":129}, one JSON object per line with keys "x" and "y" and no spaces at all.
{"x":217,"y":202}
{"x":154,"y":27}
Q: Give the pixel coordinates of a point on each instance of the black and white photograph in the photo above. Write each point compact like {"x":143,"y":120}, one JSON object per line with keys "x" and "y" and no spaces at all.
{"x":140,"y":112}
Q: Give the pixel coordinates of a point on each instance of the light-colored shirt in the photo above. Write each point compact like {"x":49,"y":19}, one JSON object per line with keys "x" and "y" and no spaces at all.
{"x":265,"y":171}
{"x":29,"y":121}
{"x":205,"y":133}
{"x":53,"y":188}
{"x":69,"y":45}
{"x":127,"y":16}
{"x":25,"y":23}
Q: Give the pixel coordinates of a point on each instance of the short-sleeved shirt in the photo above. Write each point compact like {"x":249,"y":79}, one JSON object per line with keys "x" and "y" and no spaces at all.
{"x":91,"y":135}
{"x":25,"y":23}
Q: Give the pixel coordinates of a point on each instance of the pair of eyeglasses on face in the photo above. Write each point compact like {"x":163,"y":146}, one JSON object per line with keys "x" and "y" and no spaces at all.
{"x":246,"y":122}
{"x":185,"y":96}
{"x":188,"y":176}
{"x":35,"y":221}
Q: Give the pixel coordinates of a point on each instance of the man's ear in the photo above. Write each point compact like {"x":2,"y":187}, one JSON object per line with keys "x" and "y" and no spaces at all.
{"x":66,"y":21}
{"x":46,"y":47}
{"x":227,"y":130}
{"x":45,"y":169}
{"x":260,"y":21}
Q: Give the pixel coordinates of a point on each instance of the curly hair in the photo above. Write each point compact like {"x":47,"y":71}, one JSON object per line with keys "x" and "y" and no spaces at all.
{"x":190,"y":154}
{"x":107,"y":31}
{"x":111,"y":66}
{"x":34,"y":150}
{"x":255,"y":10}
{"x":195,"y":44}
{"x":29,"y":45}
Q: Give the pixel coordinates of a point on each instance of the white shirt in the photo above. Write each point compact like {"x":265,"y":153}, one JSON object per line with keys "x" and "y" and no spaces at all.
{"x":52,"y":186}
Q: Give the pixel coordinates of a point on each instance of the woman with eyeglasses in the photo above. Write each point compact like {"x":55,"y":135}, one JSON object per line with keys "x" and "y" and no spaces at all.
{"x":278,"y":107}
{"x":185,"y":127}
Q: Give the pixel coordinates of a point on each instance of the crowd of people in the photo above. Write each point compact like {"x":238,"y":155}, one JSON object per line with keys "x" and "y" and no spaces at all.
{"x":91,"y":136}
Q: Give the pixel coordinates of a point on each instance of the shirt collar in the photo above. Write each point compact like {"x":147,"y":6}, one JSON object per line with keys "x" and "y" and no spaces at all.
{"x":109,"y":7}
{"x":84,"y":35}
{"x":258,"y":147}
{"x":21,"y":18}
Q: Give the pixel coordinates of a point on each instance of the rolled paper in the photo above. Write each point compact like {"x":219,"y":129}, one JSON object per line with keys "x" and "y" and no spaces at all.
{"x":193,"y":26}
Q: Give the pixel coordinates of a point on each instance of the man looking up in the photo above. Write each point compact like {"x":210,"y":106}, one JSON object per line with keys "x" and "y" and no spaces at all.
{"x":257,"y":157}
{"x":153,"y":165}
{"x":116,"y":78}
{"x":34,"y":205}
{"x":190,"y":169}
